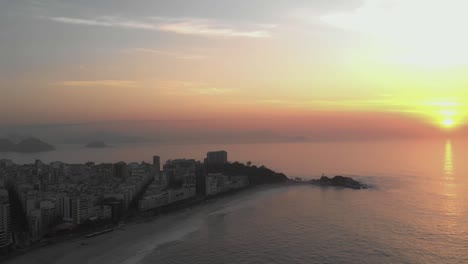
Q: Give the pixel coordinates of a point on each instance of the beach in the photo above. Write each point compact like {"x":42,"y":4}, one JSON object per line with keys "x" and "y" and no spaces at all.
{"x":136,"y":240}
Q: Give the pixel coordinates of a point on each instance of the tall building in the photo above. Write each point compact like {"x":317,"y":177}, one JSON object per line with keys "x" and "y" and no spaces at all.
{"x":76,"y":209}
{"x":5,"y":219}
{"x":157,"y":167}
{"x":157,"y":162}
{"x":120,"y":170}
{"x":216,"y":157}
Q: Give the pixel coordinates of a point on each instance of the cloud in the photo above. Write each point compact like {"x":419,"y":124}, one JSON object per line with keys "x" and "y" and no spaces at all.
{"x":184,"y":88}
{"x":177,"y":55}
{"x":383,"y":103}
{"x":184,"y":26}
{"x":403,"y":18}
{"x":207,"y":28}
{"x":416,"y":32}
{"x":209,"y":91}
{"x":98,"y":83}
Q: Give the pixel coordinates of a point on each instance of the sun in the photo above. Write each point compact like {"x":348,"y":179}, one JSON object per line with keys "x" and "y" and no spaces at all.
{"x":448,"y":123}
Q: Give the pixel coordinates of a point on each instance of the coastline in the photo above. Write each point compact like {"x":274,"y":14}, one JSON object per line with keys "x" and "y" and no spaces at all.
{"x":140,"y":236}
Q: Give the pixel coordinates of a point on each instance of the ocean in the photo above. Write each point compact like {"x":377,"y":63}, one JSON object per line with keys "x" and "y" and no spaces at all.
{"x":416,"y":210}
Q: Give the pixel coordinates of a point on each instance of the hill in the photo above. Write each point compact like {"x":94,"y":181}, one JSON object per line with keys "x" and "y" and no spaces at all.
{"x":29,"y":145}
{"x":257,"y":175}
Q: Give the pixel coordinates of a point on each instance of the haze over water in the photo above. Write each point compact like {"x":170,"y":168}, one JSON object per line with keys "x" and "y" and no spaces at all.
{"x":415,"y":212}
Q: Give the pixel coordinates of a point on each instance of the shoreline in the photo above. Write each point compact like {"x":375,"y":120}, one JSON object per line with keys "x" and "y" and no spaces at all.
{"x":189,"y":208}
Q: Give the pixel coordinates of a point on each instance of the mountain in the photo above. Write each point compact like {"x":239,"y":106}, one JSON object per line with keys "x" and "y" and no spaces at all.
{"x":29,"y":145}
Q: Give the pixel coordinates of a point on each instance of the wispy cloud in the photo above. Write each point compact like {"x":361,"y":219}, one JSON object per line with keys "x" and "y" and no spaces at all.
{"x":209,"y":91}
{"x":98,"y":83}
{"x":185,"y":26}
{"x":208,"y":28}
{"x":189,"y":88}
{"x":177,"y":55}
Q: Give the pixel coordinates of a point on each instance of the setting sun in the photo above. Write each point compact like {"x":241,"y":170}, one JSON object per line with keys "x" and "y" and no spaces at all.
{"x":448,"y":123}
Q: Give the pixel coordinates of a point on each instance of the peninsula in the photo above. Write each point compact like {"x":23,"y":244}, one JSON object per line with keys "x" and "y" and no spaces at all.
{"x":86,"y":200}
{"x":83,"y":200}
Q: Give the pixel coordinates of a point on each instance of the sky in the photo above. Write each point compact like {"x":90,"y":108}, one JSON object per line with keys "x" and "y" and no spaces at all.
{"x":280,"y":69}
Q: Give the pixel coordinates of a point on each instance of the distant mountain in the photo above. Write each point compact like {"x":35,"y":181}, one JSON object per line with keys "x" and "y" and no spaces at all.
{"x":29,"y":145}
{"x":96,"y":144}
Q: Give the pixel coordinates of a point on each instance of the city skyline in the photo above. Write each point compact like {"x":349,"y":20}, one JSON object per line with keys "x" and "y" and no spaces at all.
{"x":290,"y":63}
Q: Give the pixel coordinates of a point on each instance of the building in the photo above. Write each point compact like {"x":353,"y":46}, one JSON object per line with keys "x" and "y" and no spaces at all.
{"x":120,"y":170}
{"x":219,"y":183}
{"x":152,"y":201}
{"x":76,"y":209}
{"x":216,"y":157}
{"x":5,"y":220}
{"x":181,"y":173}
{"x":178,"y":182}
{"x":157,"y":168}
{"x":35,"y":224}
{"x":48,"y":215}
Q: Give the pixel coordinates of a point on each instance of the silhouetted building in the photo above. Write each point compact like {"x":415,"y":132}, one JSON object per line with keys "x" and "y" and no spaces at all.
{"x":216,"y":157}
{"x":180,"y":173}
{"x":5,"y":219}
{"x":120,"y":170}
{"x":200,"y":173}
{"x":157,"y":168}
{"x":117,"y":209}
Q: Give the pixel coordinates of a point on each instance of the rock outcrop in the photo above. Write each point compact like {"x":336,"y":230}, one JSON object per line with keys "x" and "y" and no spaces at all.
{"x":339,"y":181}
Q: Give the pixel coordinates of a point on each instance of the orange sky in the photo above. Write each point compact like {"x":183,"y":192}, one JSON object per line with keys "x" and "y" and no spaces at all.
{"x":346,"y":67}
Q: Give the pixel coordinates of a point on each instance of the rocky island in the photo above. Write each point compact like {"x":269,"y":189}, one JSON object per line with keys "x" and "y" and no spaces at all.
{"x":29,"y":145}
{"x":96,"y":144}
{"x":339,"y":181}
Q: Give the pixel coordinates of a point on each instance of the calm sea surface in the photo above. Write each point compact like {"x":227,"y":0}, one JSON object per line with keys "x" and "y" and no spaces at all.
{"x":416,"y":212}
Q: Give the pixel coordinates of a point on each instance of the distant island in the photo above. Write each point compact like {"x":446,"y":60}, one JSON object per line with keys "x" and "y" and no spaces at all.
{"x":29,"y":145}
{"x":96,"y":144}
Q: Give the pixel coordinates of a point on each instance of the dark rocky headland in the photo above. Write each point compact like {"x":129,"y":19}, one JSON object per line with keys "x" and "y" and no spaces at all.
{"x":339,"y":181}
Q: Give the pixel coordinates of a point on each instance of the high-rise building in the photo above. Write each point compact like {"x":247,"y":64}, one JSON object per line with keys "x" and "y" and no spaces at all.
{"x":76,"y":209}
{"x":157,"y":162}
{"x":5,"y":219}
{"x":216,"y":157}
{"x":157,"y":168}
{"x":120,"y":170}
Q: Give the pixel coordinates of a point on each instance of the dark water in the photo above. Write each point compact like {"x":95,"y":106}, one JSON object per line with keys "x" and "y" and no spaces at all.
{"x":417,"y":211}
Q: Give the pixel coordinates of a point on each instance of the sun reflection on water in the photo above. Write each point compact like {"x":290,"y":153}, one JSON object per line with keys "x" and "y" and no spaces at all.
{"x":450,"y":184}
{"x":448,"y":162}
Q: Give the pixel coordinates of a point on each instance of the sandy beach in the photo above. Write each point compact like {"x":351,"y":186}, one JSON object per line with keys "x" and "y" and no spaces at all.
{"x":132,"y":244}
{"x":120,"y":246}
